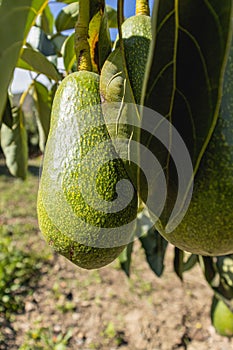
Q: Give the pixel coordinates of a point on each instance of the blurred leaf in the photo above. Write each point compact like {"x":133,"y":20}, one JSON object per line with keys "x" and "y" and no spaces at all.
{"x":58,"y":41}
{"x":183,"y":264}
{"x":38,"y":40}
{"x":67,"y":1}
{"x":14,"y":145}
{"x":155,"y":247}
{"x":67,"y":17}
{"x":112,"y":17}
{"x":153,"y":244}
{"x":218,"y":273}
{"x":178,"y":263}
{"x":191,"y":261}
{"x":16,"y":19}
{"x":43,"y":104}
{"x":35,"y":61}
{"x":7,"y":118}
{"x":52,"y":92}
{"x":68,"y":53}
{"x":125,"y":258}
{"x":208,"y":268}
{"x":47,"y":21}
{"x":225,"y":268}
{"x":105,"y":43}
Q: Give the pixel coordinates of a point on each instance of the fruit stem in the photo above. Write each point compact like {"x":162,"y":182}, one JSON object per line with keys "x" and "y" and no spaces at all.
{"x":81,"y":44}
{"x":142,"y":7}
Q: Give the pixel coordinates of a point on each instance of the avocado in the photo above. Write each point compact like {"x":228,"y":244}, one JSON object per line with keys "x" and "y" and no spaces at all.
{"x":137,"y":35}
{"x":222,"y":317}
{"x":83,"y":212}
{"x":207,"y":228}
{"x":120,"y":94}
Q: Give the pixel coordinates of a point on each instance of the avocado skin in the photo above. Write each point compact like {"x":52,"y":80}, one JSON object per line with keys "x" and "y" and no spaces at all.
{"x":136,"y":33}
{"x":73,"y":106}
{"x":207,"y":228}
{"x":115,"y":89}
{"x":79,"y":254}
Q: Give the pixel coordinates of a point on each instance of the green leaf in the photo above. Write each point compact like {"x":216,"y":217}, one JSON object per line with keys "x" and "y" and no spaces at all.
{"x":179,"y":263}
{"x":191,"y":261}
{"x":182,"y":264}
{"x":105,"y":43}
{"x":58,"y":41}
{"x":16,"y":19}
{"x":14,"y":145}
{"x":67,"y":1}
{"x":99,"y":39}
{"x":208,"y":268}
{"x":155,"y":247}
{"x":152,"y":242}
{"x":112,"y":17}
{"x":7,"y":118}
{"x":47,"y":20}
{"x":67,"y":17}
{"x":186,"y":64}
{"x":43,"y":104}
{"x":68,"y":53}
{"x":125,"y":258}
{"x":218,"y":273}
{"x":35,"y":61}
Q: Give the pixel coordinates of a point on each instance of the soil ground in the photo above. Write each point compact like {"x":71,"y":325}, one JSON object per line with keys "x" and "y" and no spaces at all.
{"x":71,"y":308}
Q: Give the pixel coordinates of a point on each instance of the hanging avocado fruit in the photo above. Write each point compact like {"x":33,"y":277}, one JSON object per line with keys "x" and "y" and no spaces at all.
{"x":136,"y":34}
{"x":83,"y":212}
{"x":207,"y":228}
{"x":120,"y":93}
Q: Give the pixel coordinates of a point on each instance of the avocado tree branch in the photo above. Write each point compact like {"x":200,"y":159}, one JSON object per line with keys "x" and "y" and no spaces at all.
{"x":81,"y":44}
{"x":142,"y":7}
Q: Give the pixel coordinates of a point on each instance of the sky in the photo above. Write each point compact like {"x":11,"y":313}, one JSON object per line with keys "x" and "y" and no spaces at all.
{"x":22,"y":78}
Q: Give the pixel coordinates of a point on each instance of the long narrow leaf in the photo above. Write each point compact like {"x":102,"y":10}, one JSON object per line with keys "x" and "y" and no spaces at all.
{"x":43,"y":104}
{"x":35,"y":61}
{"x":14,"y":145}
{"x":47,"y":20}
{"x":16,"y":19}
{"x":179,"y":263}
{"x":125,"y":258}
{"x":68,"y":53}
{"x":7,"y":118}
{"x":67,"y":17}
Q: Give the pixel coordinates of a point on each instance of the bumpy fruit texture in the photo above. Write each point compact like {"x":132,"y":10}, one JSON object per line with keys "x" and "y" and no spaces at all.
{"x":120,"y":95}
{"x":207,"y":228}
{"x":137,"y":35}
{"x":222,"y":318}
{"x":81,"y":170}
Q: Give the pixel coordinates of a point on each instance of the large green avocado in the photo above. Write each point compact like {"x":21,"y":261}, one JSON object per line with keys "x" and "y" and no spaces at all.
{"x":119,"y":94}
{"x":81,"y":172}
{"x":207,"y":228}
